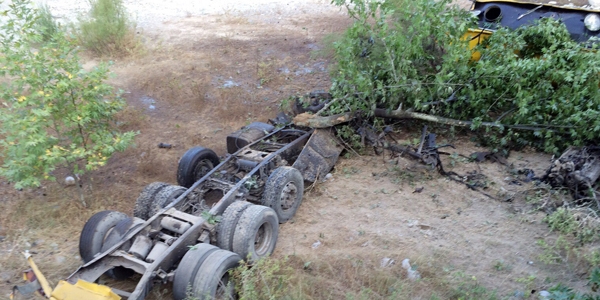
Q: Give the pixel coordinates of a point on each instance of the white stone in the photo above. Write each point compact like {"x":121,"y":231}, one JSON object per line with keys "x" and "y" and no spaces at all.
{"x":69,"y":180}
{"x":410,"y":273}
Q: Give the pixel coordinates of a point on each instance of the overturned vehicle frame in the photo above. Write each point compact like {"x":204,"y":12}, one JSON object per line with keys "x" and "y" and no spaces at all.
{"x":220,"y":213}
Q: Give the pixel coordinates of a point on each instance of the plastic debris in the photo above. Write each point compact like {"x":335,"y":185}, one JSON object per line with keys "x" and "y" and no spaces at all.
{"x":410,"y":273}
{"x":316,"y":244}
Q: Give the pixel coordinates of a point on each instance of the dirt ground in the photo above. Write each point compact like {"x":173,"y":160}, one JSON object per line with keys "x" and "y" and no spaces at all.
{"x":209,"y":68}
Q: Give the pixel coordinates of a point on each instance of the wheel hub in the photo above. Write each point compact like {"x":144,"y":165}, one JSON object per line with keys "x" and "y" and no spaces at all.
{"x":262,"y":239}
{"x":202,"y":168}
{"x":288,"y":195}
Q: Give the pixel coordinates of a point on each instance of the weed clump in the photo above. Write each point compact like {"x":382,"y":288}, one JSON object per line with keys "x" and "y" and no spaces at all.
{"x":583,"y":227}
{"x":107,"y":30}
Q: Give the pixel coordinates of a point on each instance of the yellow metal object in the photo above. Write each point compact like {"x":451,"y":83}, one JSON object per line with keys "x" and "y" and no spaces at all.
{"x":82,"y":290}
{"x":475,"y":37}
{"x":38,"y":274}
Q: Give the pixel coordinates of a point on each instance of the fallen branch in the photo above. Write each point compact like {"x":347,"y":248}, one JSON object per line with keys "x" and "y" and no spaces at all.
{"x":401,"y":114}
{"x":315,"y":121}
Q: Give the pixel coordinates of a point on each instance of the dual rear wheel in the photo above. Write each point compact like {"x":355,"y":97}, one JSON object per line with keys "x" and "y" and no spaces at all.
{"x":249,"y":230}
{"x":203,"y":273}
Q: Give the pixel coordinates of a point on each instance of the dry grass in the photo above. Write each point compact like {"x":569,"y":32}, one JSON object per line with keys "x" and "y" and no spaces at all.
{"x":42,"y":220}
{"x":340,"y":277}
{"x":237,"y":106}
{"x":149,"y":163}
{"x":131,"y":118}
{"x":231,"y":16}
{"x":353,"y":277}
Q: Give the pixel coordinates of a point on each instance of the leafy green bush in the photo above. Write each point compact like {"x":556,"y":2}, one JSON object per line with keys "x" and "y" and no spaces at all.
{"x":53,"y":113}
{"x":534,"y":84}
{"x":392,"y":55}
{"x":553,"y":84}
{"x":107,"y":29}
{"x":46,"y":24}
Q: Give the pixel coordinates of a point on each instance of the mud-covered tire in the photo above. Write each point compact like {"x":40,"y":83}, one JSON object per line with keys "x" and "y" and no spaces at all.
{"x":283,"y":192}
{"x":212,"y":281}
{"x":256,"y":233}
{"x":194,"y":164}
{"x":188,"y":268}
{"x":164,"y":197}
{"x":94,"y":232}
{"x":146,"y":198}
{"x":114,"y":236}
{"x":229,"y":220}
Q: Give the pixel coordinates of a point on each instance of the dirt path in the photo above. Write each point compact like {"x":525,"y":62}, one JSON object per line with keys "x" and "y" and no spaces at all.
{"x":370,"y":210}
{"x":213,"y":66}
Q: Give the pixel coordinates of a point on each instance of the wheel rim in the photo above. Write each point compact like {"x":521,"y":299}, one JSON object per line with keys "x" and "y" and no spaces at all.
{"x":262,"y":239}
{"x":225,"y":288}
{"x":288,"y":196}
{"x":202,"y":168}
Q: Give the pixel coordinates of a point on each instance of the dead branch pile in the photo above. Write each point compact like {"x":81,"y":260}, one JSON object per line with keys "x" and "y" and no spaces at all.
{"x":578,"y":170}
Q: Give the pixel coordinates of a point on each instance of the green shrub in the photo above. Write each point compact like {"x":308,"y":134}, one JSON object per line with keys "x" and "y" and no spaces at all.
{"x":53,"y":112}
{"x":46,"y":24}
{"x":107,"y":29}
{"x":408,"y":54}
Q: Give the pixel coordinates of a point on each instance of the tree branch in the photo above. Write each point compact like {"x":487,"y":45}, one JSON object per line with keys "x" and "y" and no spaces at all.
{"x":314,"y":121}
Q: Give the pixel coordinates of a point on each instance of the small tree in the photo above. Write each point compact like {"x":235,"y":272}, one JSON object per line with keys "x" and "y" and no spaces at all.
{"x":107,"y":29}
{"x":52,"y":112}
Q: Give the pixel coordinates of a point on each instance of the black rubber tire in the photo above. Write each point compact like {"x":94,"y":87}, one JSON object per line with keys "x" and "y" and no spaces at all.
{"x":283,"y":192}
{"x":94,"y":232}
{"x":229,"y":220}
{"x":188,"y":268}
{"x":146,"y":198}
{"x":117,"y":234}
{"x":164,"y":198}
{"x":112,"y":238}
{"x":194,"y":164}
{"x":256,"y":233}
{"x":212,"y":280}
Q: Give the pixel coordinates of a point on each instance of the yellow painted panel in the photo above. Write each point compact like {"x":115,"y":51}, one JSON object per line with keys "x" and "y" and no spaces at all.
{"x":475,"y":37}
{"x":82,"y":290}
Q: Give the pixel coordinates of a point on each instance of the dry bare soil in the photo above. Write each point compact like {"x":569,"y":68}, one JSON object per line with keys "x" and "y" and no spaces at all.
{"x":208,"y":69}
